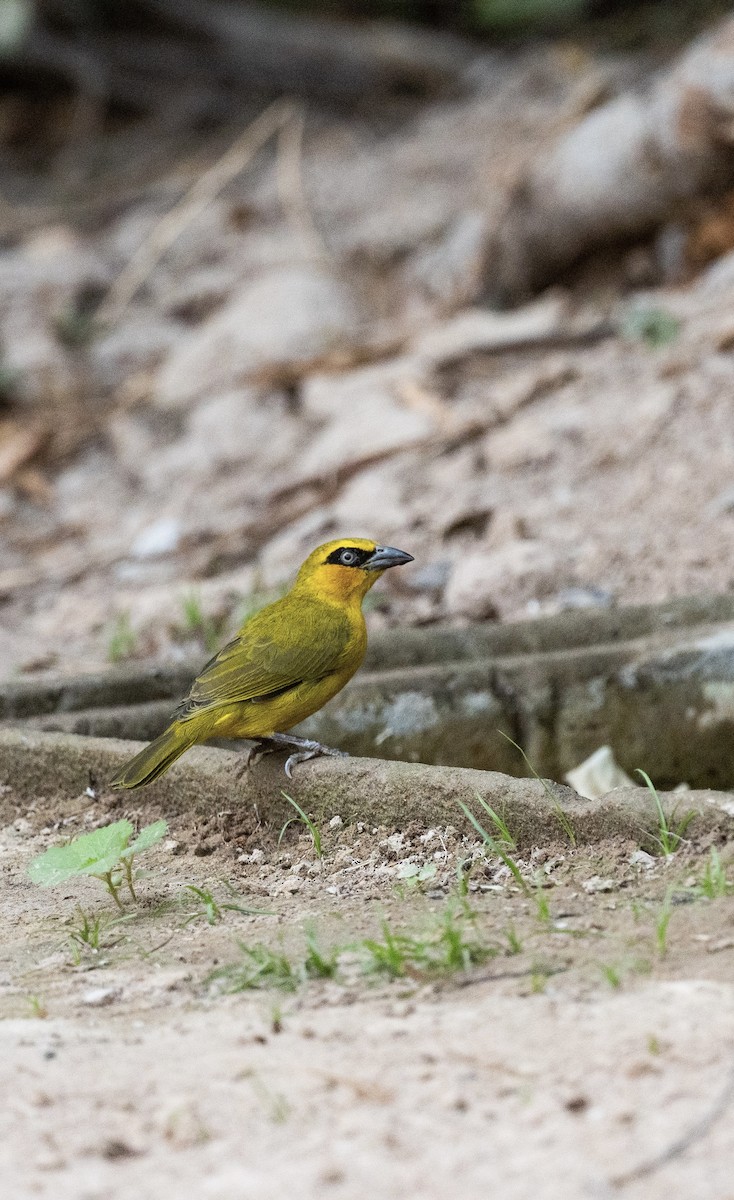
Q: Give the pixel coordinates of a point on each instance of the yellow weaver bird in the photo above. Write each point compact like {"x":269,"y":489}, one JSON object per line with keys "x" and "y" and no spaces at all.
{"x":284,"y":664}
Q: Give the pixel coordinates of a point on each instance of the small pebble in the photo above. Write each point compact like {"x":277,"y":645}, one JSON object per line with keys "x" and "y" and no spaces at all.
{"x":640,"y":858}
{"x":158,"y":539}
{"x":597,"y":884}
{"x":99,"y":997}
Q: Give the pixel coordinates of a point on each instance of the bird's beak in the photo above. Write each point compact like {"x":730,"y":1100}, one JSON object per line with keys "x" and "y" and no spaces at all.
{"x":384,"y":557}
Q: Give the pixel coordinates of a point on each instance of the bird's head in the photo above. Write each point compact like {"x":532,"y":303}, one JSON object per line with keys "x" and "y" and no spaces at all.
{"x":347,"y":567}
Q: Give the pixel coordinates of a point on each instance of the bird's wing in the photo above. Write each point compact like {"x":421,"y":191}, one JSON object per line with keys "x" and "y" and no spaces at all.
{"x":275,"y":651}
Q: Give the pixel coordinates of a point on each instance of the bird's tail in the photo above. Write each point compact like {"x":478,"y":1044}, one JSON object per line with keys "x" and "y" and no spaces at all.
{"x":154,"y":759}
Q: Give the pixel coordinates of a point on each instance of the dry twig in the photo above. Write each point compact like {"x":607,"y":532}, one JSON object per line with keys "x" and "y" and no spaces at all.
{"x":199,"y":196}
{"x":290,"y":185}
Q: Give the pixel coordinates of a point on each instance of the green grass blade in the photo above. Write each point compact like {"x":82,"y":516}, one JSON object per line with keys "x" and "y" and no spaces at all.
{"x":560,"y":815}
{"x":496,"y":848}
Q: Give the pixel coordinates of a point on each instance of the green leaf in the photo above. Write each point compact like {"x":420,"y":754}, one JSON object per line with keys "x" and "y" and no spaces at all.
{"x":89,"y":854}
{"x":147,"y":837}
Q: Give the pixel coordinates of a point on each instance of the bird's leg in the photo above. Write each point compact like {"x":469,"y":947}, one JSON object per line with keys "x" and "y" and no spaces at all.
{"x":304,"y":749}
{"x":251,"y":757}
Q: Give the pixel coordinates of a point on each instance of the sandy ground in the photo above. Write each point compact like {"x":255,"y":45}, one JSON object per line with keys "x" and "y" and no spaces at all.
{"x":586,"y":1045}
{"x":161,"y":475}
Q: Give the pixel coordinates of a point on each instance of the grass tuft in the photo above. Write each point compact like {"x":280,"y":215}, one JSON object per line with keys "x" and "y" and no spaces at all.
{"x":38,"y":1007}
{"x":121,"y":641}
{"x":668,"y":839}
{"x":319,"y":964}
{"x":303,"y":819}
{"x":258,"y":967}
{"x":612,"y":974}
{"x":560,"y":815}
{"x":496,"y":845}
{"x":662,"y":923}
{"x":714,"y":883}
{"x":442,"y":950}
{"x":212,"y":910}
{"x":198,"y":624}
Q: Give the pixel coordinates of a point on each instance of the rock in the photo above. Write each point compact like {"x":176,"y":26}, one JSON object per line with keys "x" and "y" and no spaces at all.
{"x":138,"y":344}
{"x":526,"y":442}
{"x":158,"y":539}
{"x":584,"y":597}
{"x":363,"y":416}
{"x":433,"y":577}
{"x":355,"y":509}
{"x":450,"y":270}
{"x":640,"y":858}
{"x":477,"y":578}
{"x":400,"y":792}
{"x":597,"y":884}
{"x":101,"y":996}
{"x":479,"y":330}
{"x":273,"y":330}
{"x":235,"y":428}
{"x":336,"y":822}
{"x":291,"y":884}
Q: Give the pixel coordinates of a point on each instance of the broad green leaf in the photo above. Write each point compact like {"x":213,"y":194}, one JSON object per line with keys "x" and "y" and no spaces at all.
{"x":89,"y":854}
{"x":147,"y":837}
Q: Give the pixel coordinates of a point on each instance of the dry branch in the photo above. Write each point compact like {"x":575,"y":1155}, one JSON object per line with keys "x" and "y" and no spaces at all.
{"x":626,"y":168}
{"x":203,"y":192}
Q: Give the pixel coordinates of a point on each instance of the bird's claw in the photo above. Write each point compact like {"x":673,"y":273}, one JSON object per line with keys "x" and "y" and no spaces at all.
{"x":252,"y":756}
{"x":310,"y":750}
{"x":304,"y":750}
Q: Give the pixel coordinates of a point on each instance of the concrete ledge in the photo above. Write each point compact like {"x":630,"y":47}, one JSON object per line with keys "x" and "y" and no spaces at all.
{"x":52,"y":765}
{"x":656,"y":683}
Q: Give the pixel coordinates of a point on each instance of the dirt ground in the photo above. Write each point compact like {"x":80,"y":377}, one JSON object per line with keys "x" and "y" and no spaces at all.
{"x":279,"y":379}
{"x":304,"y":362}
{"x":587,"y":1050}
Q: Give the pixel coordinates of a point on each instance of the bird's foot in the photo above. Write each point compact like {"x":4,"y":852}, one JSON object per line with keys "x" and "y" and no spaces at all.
{"x":305,"y":749}
{"x":251,"y":757}
{"x":317,"y":751}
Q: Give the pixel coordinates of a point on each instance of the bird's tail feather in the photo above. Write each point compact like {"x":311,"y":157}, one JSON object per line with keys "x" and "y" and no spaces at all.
{"x":154,"y":759}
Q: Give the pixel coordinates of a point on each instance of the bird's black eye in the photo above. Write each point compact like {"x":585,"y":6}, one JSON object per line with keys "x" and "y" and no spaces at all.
{"x":348,"y":556}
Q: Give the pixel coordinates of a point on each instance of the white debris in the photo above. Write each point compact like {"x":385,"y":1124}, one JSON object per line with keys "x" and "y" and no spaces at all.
{"x":598,"y":774}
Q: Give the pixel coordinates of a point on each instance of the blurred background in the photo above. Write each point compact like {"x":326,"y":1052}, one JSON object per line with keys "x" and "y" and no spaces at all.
{"x":456,"y":276}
